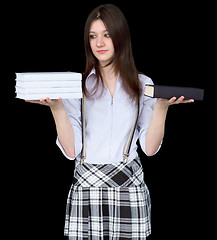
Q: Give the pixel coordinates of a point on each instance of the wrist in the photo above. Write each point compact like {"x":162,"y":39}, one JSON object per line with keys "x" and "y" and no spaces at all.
{"x":161,"y":105}
{"x":57,"y":107}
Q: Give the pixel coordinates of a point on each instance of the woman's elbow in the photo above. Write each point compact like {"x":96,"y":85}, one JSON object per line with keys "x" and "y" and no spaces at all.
{"x":151,"y":149}
{"x":150,"y":152}
{"x":70,"y":152}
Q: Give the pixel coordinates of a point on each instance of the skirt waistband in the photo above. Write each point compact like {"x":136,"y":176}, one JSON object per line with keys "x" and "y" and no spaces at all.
{"x":121,"y":174}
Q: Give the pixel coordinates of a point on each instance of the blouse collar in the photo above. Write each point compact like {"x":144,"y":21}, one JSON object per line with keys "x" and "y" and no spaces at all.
{"x":93,"y":71}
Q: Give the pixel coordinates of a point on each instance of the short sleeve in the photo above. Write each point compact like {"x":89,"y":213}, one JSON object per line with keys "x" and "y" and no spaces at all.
{"x":73,"y":110}
{"x":146,"y":110}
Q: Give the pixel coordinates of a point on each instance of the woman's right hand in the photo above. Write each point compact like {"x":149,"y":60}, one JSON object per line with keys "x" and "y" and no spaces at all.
{"x":48,"y":102}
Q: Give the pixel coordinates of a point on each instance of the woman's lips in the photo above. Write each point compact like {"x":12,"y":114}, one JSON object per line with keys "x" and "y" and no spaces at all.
{"x":102,"y":51}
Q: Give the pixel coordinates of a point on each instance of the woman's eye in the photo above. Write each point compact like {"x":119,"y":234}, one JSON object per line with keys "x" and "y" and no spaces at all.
{"x":92,"y":36}
{"x":107,"y":35}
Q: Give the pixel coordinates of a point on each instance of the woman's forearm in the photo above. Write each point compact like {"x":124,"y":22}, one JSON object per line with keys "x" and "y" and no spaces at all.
{"x":156,"y":128}
{"x":64,"y":129}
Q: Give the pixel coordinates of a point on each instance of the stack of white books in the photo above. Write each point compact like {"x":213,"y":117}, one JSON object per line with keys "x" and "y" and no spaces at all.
{"x":37,"y":85}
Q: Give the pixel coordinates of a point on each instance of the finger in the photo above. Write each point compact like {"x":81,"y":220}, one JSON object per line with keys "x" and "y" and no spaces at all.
{"x":188,"y":101}
{"x":43,"y":102}
{"x":32,"y":101}
{"x":59,"y":99}
{"x":180,"y":100}
{"x":48,"y":100}
{"x":172,"y":100}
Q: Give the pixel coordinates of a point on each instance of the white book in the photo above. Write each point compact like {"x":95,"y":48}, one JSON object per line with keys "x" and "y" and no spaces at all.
{"x":37,"y":85}
{"x":51,"y":96}
{"x":48,"y":84}
{"x":47,"y":90}
{"x":48,"y":76}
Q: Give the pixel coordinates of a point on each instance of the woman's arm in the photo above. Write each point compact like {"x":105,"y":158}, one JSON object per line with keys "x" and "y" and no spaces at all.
{"x":64,"y":128}
{"x":155,"y":132}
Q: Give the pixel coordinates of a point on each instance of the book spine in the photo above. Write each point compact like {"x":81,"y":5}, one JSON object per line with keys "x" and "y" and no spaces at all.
{"x":51,"y":96}
{"x":48,"y":84}
{"x":48,"y":77}
{"x":47,"y":90}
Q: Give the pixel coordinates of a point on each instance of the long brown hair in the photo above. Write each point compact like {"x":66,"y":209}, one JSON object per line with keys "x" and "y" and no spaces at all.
{"x":123,"y":60}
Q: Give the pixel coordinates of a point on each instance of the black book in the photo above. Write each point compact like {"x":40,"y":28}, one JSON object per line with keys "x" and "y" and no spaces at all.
{"x":161,"y":91}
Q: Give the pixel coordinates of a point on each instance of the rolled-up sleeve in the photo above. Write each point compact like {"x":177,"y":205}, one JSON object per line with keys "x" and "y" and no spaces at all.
{"x":146,"y":110}
{"x":73,"y":110}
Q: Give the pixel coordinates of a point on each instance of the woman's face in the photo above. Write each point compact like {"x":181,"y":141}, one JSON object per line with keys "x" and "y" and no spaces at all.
{"x":100,"y":42}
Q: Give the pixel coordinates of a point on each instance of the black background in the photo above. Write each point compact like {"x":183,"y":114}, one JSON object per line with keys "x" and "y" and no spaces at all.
{"x":169,"y":45}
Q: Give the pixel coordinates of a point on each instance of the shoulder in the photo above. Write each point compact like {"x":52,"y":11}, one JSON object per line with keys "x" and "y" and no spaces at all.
{"x":145,"y":80}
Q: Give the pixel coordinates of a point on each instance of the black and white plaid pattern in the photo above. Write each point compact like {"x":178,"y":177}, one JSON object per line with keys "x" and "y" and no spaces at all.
{"x":108,"y":201}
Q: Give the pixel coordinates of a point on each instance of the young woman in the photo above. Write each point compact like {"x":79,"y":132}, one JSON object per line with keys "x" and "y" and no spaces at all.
{"x":108,"y":198}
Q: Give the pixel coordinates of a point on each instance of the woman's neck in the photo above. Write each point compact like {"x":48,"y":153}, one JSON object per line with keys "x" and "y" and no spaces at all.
{"x":108,"y":73}
{"x":109,"y":78}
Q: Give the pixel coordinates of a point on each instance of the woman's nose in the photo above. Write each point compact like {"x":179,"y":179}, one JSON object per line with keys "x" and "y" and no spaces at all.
{"x":100,"y":42}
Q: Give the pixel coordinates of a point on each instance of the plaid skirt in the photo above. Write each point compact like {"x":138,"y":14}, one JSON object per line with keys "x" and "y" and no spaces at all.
{"x":108,"y":201}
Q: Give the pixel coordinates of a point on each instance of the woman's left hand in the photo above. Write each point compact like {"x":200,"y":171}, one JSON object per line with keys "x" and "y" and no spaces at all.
{"x":167,"y":102}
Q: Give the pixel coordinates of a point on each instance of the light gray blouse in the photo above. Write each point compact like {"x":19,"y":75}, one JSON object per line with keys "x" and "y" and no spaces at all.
{"x":109,"y":122}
